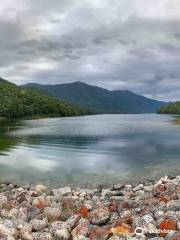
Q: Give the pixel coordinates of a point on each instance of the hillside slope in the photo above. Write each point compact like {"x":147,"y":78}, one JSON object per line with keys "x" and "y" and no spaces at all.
{"x":18,"y":102}
{"x":171,"y":108}
{"x":99,"y":99}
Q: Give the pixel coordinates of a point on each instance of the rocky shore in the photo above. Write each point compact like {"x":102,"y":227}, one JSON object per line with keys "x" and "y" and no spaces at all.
{"x":145,"y":211}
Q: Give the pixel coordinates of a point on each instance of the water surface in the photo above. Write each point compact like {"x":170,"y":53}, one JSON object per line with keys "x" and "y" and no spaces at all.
{"x":90,"y":150}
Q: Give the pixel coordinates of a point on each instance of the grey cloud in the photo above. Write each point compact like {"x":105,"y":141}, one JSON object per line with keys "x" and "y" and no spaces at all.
{"x":113,"y":45}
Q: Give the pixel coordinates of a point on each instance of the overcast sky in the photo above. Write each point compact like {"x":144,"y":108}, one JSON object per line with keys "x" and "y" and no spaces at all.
{"x":116,"y":44}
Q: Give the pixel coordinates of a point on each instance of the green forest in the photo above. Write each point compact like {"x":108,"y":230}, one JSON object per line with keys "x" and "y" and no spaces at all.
{"x":171,"y":108}
{"x":17,"y":102}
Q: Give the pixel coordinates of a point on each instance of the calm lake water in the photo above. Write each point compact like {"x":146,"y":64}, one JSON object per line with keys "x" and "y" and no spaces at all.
{"x":90,"y":150}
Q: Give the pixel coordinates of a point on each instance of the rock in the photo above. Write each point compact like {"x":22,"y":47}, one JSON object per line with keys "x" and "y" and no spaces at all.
{"x":21,"y":195}
{"x":178,"y":225}
{"x":69,"y":207}
{"x":83,"y":211}
{"x":167,"y":225}
{"x":42,"y":236}
{"x":5,"y":232}
{"x":73,"y":221}
{"x":61,"y":234}
{"x":3,"y":201}
{"x":175,"y":236}
{"x":105,"y":192}
{"x":22,"y":215}
{"x":80,"y":237}
{"x":140,"y":194}
{"x":151,"y":229}
{"x":33,"y":213}
{"x":52,"y":214}
{"x":116,"y":237}
{"x":79,"y":231}
{"x":117,"y":198}
{"x":40,"y":188}
{"x":97,"y":233}
{"x":147,"y":219}
{"x":156,"y":238}
{"x":52,"y":201}
{"x":99,"y":216}
{"x":159,"y":215}
{"x":174,"y":205}
{"x":25,"y":231}
{"x":122,"y":229}
{"x":148,"y":188}
{"x":38,"y":225}
{"x":138,"y":187}
{"x":65,"y":191}
{"x":114,"y":193}
{"x":86,"y":192}
{"x":171,"y":215}
{"x":117,"y":187}
{"x":39,"y":202}
{"x":94,"y":214}
{"x":88,"y":204}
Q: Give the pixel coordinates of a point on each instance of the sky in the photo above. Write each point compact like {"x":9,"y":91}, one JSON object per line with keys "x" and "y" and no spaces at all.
{"x":114,"y":44}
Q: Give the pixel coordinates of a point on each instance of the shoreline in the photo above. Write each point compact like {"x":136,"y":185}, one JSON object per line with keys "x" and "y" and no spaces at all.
{"x":148,"y":210}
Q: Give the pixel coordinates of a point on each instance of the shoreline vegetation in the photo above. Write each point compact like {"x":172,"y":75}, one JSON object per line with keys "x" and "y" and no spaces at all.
{"x":171,"y":108}
{"x":132,"y":211}
{"x":17,"y":103}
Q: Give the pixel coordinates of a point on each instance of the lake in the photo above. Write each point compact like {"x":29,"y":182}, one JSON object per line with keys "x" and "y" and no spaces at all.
{"x":90,"y":150}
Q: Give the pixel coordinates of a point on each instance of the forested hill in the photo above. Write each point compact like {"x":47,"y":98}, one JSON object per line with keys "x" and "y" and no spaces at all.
{"x":17,"y":102}
{"x":171,"y":108}
{"x":99,"y":99}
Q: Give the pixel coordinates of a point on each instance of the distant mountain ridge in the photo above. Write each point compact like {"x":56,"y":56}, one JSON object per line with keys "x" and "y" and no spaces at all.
{"x":99,"y":99}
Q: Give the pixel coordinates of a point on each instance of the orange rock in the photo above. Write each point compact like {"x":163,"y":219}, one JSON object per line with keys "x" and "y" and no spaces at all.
{"x":122,"y":229}
{"x":163,"y":199}
{"x":167,"y":224}
{"x":83,"y":211}
{"x":39,"y":203}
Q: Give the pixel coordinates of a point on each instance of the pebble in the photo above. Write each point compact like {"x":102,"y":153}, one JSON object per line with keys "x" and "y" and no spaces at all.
{"x":37,"y":213}
{"x":99,"y":216}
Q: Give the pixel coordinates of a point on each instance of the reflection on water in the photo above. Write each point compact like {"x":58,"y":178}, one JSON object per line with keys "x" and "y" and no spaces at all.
{"x":7,"y":142}
{"x":101,"y":149}
{"x":177,"y":120}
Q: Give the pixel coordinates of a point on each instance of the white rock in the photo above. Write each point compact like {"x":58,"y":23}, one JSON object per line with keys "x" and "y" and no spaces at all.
{"x":39,"y":225}
{"x":52,"y":214}
{"x":65,"y":191}
{"x":4,"y":231}
{"x":148,"y":188}
{"x":3,"y":201}
{"x":25,"y":231}
{"x":62,"y":234}
{"x":148,"y":219}
{"x":138,"y":187}
{"x":42,"y":236}
{"x":173,"y":205}
{"x":41,"y":188}
{"x":80,"y":237}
